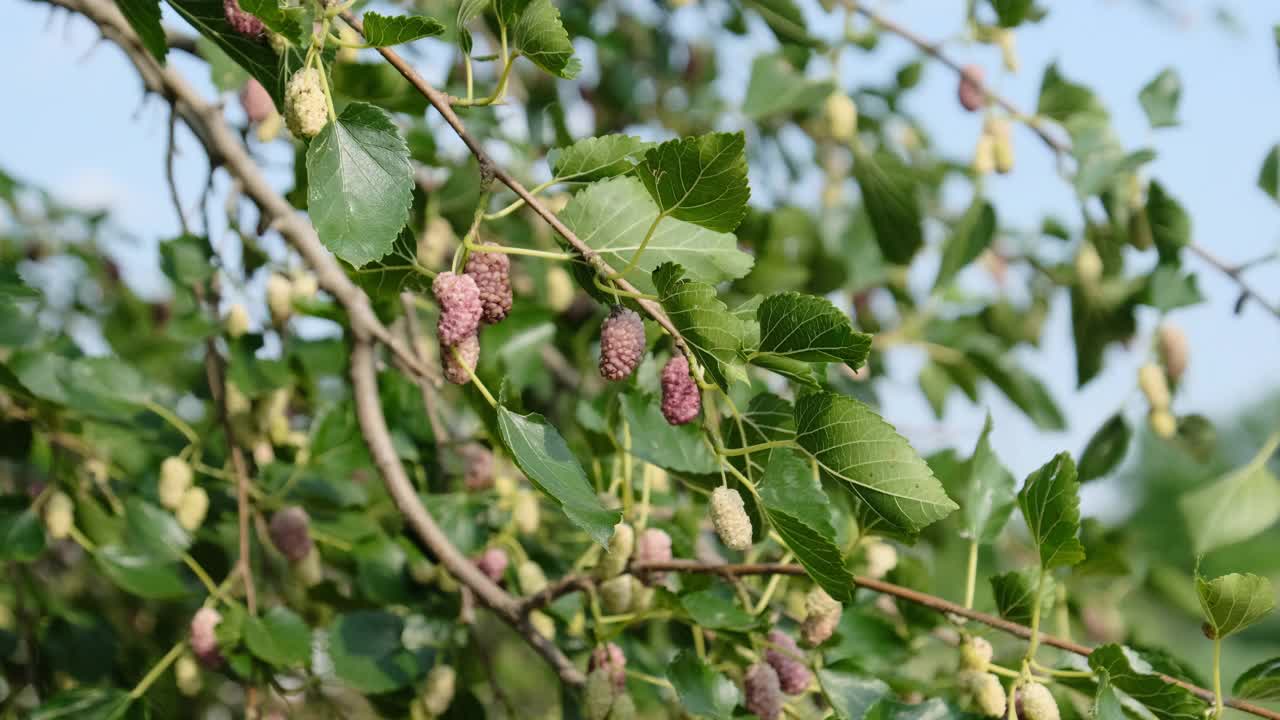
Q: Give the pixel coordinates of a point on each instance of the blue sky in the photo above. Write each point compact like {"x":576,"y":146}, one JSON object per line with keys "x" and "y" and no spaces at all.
{"x":77,"y":123}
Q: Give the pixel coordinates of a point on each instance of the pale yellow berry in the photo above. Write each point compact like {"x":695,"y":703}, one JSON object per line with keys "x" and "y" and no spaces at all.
{"x":577,"y":624}
{"x":1171,"y":343}
{"x":986,"y":692}
{"x":505,"y":485}
{"x":975,"y":654}
{"x":269,"y":129}
{"x":560,"y":289}
{"x":175,"y":478}
{"x":1088,"y":265}
{"x":543,"y":624}
{"x":984,"y":155}
{"x":186,"y":674}
{"x":822,"y":615}
{"x":347,"y":54}
{"x":422,"y":571}
{"x":615,"y":594}
{"x":1037,"y":703}
{"x":729,"y":516}
{"x":1152,"y":381}
{"x":437,"y":239}
{"x":305,"y":108}
{"x":438,"y":690}
{"x":526,"y":513}
{"x":531,"y":577}
{"x":1008,"y":49}
{"x":615,"y":560}
{"x":237,"y":321}
{"x":237,"y":402}
{"x":842,"y":116}
{"x":1002,"y":144}
{"x":1163,"y":423}
{"x":192,"y":508}
{"x":881,"y":558}
{"x":279,"y":298}
{"x":304,"y":285}
{"x":263,"y":453}
{"x":642,"y":596}
{"x":59,"y":515}
{"x":309,"y":571}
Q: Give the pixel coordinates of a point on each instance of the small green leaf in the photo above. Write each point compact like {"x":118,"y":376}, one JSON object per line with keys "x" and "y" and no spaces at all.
{"x":542,"y":455}
{"x":1233,"y":602}
{"x":1236,"y":506}
{"x":1060,"y":99}
{"x":717,"y":610}
{"x":710,"y":330}
{"x":799,"y":510}
{"x":1269,"y":174}
{"x":144,"y":18}
{"x":279,"y":637}
{"x":468,"y":10}
{"x":1021,"y":387}
{"x":1260,"y":682}
{"x":84,"y":703}
{"x":702,"y":179}
{"x":1015,"y":594}
{"x":1106,"y":448}
{"x":367,"y":653}
{"x":786,"y":21}
{"x":141,"y":575}
{"x":1131,"y":674}
{"x":1106,"y":704}
{"x":988,"y":495}
{"x":1170,"y":224}
{"x":766,"y":419}
{"x":153,"y":532}
{"x":889,"y":197}
{"x":1160,"y":97}
{"x":360,"y":184}
{"x":256,"y":56}
{"x":850,"y":690}
{"x":540,"y":36}
{"x":1050,"y":502}
{"x":385,"y":31}
{"x":1168,"y":288}
{"x":703,"y":691}
{"x":678,"y":448}
{"x":855,"y":446}
{"x":970,"y":237}
{"x":597,"y":158}
{"x":22,"y":537}
{"x":810,"y":328}
{"x":776,"y":88}
{"x":1011,"y":13}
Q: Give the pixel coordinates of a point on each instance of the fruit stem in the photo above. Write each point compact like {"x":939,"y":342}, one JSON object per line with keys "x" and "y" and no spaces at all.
{"x":1217,"y":677}
{"x":156,"y":671}
{"x":972,"y":576}
{"x":471,"y":373}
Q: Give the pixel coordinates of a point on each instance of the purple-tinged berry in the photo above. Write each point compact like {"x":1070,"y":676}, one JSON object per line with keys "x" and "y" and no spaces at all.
{"x":610,"y":658}
{"x":785,"y":658}
{"x":460,"y":307}
{"x":203,"y":640}
{"x":493,"y":563}
{"x":492,"y":275}
{"x":763,"y":692}
{"x":290,"y":532}
{"x":621,"y":343}
{"x":681,"y":400}
{"x":653,"y":546}
{"x":241,"y":21}
{"x":455,"y":371}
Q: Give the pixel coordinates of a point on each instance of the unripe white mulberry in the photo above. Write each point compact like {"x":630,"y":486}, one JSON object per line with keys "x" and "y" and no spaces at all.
{"x":763,"y":692}
{"x":621,"y":545}
{"x":460,"y":307}
{"x":192,"y":508}
{"x":59,"y":515}
{"x":241,"y":21}
{"x":653,"y":546}
{"x":457,"y":372}
{"x":531,"y":577}
{"x":842,"y":116}
{"x":436,"y":239}
{"x":1002,"y":144}
{"x":493,"y":563}
{"x":237,"y":321}
{"x":256,"y":101}
{"x":279,"y":298}
{"x":970,"y":91}
{"x":1151,"y":380}
{"x":624,"y":708}
{"x":290,"y":531}
{"x":438,"y":690}
{"x":203,"y":640}
{"x":822,"y":615}
{"x":984,"y":690}
{"x":881,"y":558}
{"x":681,"y":400}
{"x":1163,"y":423}
{"x":305,"y":109}
{"x":615,"y":594}
{"x":526,"y":513}
{"x":422,"y":571}
{"x":304,"y":285}
{"x":1088,"y":265}
{"x":543,"y":624}
{"x":1008,"y":49}
{"x":785,"y":658}
{"x":621,"y":343}
{"x":1174,"y":350}
{"x":1035,"y":702}
{"x":560,"y":289}
{"x":175,"y":477}
{"x":729,"y":516}
{"x":186,"y":674}
{"x":613,"y":662}
{"x":491,"y":272}
{"x":597,"y":696}
{"x":984,"y":155}
{"x":975,"y":654}
{"x":641,"y":596}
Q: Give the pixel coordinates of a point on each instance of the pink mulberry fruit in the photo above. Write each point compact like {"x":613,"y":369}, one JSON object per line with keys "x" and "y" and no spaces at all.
{"x":680,"y":398}
{"x":785,"y":660}
{"x":621,"y":343}
{"x":653,"y":546}
{"x":970,"y":91}
{"x":763,"y":692}
{"x":454,"y":371}
{"x":493,"y":563}
{"x":204,"y":641}
{"x":492,"y":275}
{"x":256,"y":101}
{"x":241,"y":21}
{"x":291,"y":533}
{"x":460,"y":307}
{"x":479,"y":471}
{"x":609,"y":657}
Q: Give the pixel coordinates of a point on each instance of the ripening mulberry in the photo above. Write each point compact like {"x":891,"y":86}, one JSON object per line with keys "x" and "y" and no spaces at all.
{"x":785,"y":658}
{"x":621,"y":544}
{"x":641,"y":596}
{"x":881,"y":558}
{"x":970,"y":91}
{"x":615,"y":594}
{"x":241,"y":21}
{"x":438,"y":690}
{"x":493,"y":563}
{"x":460,"y":307}
{"x":305,"y":109}
{"x":492,"y":274}
{"x":822,"y":615}
{"x":975,"y":654}
{"x":457,"y":372}
{"x":1035,"y":702}
{"x":1152,"y":381}
{"x":653,"y":546}
{"x":255,"y":100}
{"x":192,"y":508}
{"x":609,"y":657}
{"x":175,"y":478}
{"x":729,"y":516}
{"x":624,"y":708}
{"x":763,"y":692}
{"x":290,"y":531}
{"x":621,"y":343}
{"x":203,"y":640}
{"x":597,"y":696}
{"x":478,"y":474}
{"x":59,"y":515}
{"x":1174,"y":350}
{"x":984,"y":691}
{"x":681,"y":400}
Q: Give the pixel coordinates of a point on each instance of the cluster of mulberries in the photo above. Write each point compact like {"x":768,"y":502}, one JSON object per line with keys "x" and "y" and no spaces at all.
{"x":822,"y":615}
{"x":786,"y":660}
{"x":241,"y":21}
{"x":1035,"y":702}
{"x":203,"y":638}
{"x":763,"y":692}
{"x":492,"y":275}
{"x":621,"y":343}
{"x":681,"y":400}
{"x":970,"y":92}
{"x":305,"y":109}
{"x":290,"y":531}
{"x":653,"y":546}
{"x":729,"y":516}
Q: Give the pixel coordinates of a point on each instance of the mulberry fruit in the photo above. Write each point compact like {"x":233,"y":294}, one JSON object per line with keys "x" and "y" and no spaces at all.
{"x":729,"y":516}
{"x":237,"y":321}
{"x":1151,"y":380}
{"x":1163,"y":423}
{"x":842,"y":116}
{"x":186,"y":675}
{"x":681,"y":400}
{"x":241,"y":21}
{"x":881,"y":558}
{"x":478,"y":474}
{"x":624,"y":708}
{"x":192,"y":509}
{"x":305,"y":109}
{"x":290,"y":531}
{"x":459,"y":373}
{"x":460,"y":307}
{"x":493,"y":563}
{"x":59,"y":515}
{"x":543,"y":624}
{"x":1174,"y":349}
{"x":984,"y":690}
{"x":641,"y":596}
{"x":1002,"y":148}
{"x":621,"y":343}
{"x":304,"y":285}
{"x":1035,"y":702}
{"x":254,"y":99}
{"x":597,"y":696}
{"x":526,"y":513}
{"x":438,"y":690}
{"x":491,"y":272}
{"x":972,"y":96}
{"x":615,"y":595}
{"x":653,"y":546}
{"x":784,"y":657}
{"x":1088,"y":265}
{"x":621,"y":544}
{"x":532,"y":579}
{"x":984,"y":155}
{"x":175,"y":478}
{"x":203,"y":640}
{"x":822,"y":615}
{"x":435,"y":241}
{"x":763,"y":692}
{"x":279,"y":298}
{"x":610,"y":659}
{"x":560,"y":289}
{"x":975,"y":654}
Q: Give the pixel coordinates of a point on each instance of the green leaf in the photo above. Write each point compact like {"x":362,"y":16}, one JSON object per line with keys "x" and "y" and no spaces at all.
{"x":1260,"y":682}
{"x":855,"y":446}
{"x":360,"y":184}
{"x":702,"y":179}
{"x":104,"y":386}
{"x":377,"y":83}
{"x":367,"y":653}
{"x":889,"y":196}
{"x":794,"y":370}
{"x":786,"y":20}
{"x":278,"y":19}
{"x":1011,"y":13}
{"x":141,"y":575}
{"x":1170,"y":223}
{"x":988,"y":496}
{"x":1131,"y":674}
{"x":1106,"y":448}
{"x":597,"y":158}
{"x":971,"y":236}
{"x":84,"y":703}
{"x":1269,"y":174}
{"x":540,"y":36}
{"x":1106,"y":704}
{"x":1236,"y":506}
{"x":1015,"y":595}
{"x":766,"y":419}
{"x":776,"y":87}
{"x":279,"y":637}
{"x":1233,"y":602}
{"x":810,"y":328}
{"x":1159,"y":98}
{"x":703,"y":691}
{"x":678,"y":448}
{"x":715,"y":609}
{"x":1168,"y":288}
{"x":1060,"y":99}
{"x":468,"y":10}
{"x":1021,"y":387}
{"x":613,"y":217}
{"x":542,"y":455}
{"x":850,"y":690}
{"x":22,"y":537}
{"x":153,"y":532}
{"x":799,"y":510}
{"x":144,"y":18}
{"x":385,"y":31}
{"x":711,"y":331}
{"x":1050,"y":503}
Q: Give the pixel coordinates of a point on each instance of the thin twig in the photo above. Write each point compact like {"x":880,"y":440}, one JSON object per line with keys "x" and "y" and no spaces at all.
{"x":171,"y":150}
